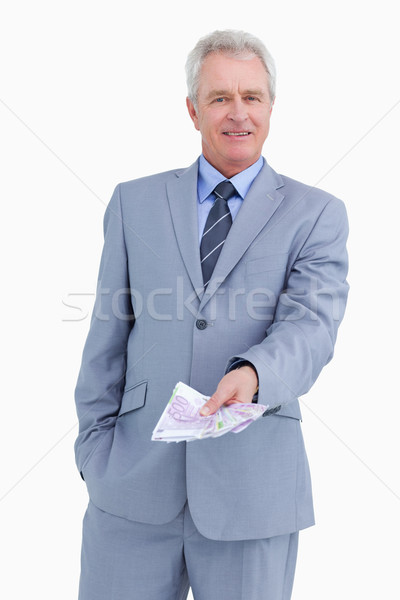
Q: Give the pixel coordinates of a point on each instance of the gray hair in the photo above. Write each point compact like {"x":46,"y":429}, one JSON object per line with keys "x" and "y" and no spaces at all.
{"x":235,"y":43}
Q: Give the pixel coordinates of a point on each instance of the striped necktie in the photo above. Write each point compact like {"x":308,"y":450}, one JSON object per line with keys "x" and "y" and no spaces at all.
{"x":216,"y":229}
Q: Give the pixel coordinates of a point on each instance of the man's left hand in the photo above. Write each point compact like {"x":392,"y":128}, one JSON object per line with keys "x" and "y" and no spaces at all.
{"x":239,"y":385}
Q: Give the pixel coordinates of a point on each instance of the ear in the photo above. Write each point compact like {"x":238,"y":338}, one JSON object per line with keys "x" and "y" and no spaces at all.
{"x":192,"y":113}
{"x":272,"y":105}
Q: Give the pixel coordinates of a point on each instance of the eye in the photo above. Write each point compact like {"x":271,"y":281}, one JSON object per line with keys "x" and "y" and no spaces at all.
{"x":251,"y":98}
{"x":219,"y":100}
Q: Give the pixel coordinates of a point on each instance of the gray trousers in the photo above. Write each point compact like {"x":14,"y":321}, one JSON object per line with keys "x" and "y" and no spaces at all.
{"x":126,"y":560}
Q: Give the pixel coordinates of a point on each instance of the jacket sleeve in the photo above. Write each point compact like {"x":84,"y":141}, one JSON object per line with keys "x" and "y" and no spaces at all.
{"x":101,"y":378}
{"x":301,"y":339}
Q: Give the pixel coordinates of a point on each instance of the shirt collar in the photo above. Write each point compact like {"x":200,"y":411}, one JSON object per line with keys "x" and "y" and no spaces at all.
{"x":209,"y":177}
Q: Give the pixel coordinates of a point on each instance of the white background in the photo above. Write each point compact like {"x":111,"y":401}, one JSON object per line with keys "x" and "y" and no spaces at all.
{"x":92,"y":93}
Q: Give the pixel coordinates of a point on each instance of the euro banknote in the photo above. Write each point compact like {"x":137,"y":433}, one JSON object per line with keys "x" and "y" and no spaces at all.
{"x":181,"y":419}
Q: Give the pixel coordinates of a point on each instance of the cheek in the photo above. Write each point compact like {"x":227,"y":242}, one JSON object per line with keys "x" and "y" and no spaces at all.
{"x":208,"y":126}
{"x":263,"y":124}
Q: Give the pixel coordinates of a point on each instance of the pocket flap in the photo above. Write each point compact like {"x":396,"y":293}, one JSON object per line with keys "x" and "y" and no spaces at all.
{"x":275,"y":262}
{"x":291,"y":410}
{"x":133,"y":398}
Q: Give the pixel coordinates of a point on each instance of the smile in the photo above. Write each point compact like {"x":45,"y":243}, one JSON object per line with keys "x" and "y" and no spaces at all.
{"x":235,"y":133}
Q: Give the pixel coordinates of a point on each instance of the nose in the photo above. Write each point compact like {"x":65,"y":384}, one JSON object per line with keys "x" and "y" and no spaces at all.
{"x":237,"y":110}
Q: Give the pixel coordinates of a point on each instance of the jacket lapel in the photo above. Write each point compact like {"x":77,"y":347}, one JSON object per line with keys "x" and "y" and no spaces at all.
{"x":257,"y":209}
{"x":261,"y":202}
{"x":182,"y":198}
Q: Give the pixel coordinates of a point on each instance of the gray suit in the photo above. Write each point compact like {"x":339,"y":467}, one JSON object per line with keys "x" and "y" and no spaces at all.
{"x":276,"y":299}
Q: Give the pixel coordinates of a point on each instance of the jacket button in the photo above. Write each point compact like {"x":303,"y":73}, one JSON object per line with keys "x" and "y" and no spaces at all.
{"x":201,"y":324}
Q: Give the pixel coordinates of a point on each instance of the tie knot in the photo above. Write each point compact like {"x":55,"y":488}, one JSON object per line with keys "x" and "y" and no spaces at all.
{"x":225,"y":190}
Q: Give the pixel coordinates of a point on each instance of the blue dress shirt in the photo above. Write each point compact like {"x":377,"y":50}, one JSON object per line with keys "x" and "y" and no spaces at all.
{"x":209,"y":177}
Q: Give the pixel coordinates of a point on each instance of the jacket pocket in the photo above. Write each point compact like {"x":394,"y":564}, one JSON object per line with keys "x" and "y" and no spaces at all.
{"x":291,"y":410}
{"x":133,"y":398}
{"x":272,"y":262}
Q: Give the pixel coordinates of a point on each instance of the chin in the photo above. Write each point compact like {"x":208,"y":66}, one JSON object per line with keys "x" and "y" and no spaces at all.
{"x":239,"y":159}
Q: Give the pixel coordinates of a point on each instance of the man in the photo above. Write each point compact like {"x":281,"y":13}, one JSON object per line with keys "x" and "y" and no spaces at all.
{"x":237,"y":290}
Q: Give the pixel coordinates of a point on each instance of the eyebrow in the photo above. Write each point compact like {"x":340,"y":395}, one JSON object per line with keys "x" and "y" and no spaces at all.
{"x":218,"y":93}
{"x":255,"y":92}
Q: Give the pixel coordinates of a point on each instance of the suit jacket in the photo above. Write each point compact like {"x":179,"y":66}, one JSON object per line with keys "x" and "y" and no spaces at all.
{"x":276,"y":299}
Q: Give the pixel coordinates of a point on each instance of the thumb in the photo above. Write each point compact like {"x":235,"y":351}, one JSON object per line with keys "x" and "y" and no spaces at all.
{"x":213,"y":404}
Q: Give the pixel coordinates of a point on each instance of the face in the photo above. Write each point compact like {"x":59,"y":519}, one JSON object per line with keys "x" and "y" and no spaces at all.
{"x":233,"y":111}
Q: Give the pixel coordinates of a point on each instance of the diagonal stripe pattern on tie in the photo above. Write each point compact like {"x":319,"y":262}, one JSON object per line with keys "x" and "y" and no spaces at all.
{"x":216,"y":229}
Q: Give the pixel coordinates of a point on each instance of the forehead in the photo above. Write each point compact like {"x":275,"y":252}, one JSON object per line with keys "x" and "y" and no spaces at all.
{"x":224,"y":71}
